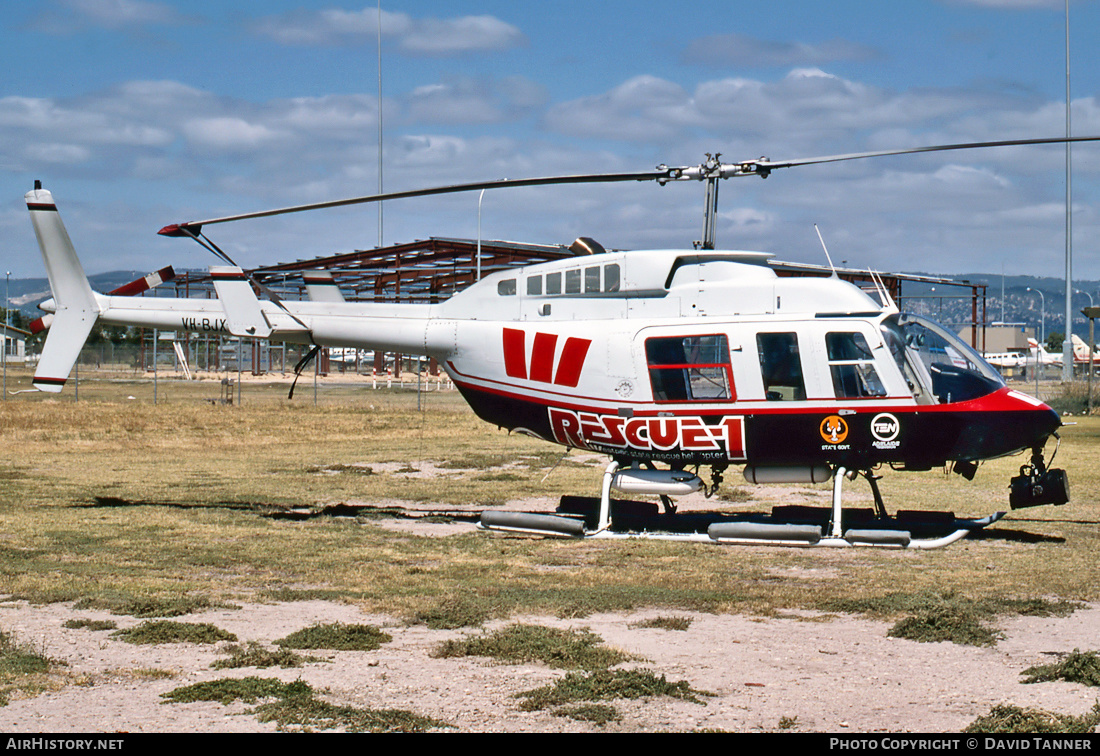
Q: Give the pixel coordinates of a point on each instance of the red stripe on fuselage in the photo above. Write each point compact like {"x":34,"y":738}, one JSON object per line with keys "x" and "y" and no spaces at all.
{"x":542,"y":357}
{"x":572,"y":360}
{"x":515,"y":353}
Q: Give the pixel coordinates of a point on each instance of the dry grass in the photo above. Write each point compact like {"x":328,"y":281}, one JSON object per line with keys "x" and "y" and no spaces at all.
{"x":122,"y":504}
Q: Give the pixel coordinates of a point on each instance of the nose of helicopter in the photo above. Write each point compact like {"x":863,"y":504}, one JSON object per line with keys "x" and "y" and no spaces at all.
{"x":1013,"y":421}
{"x":1044,"y":420}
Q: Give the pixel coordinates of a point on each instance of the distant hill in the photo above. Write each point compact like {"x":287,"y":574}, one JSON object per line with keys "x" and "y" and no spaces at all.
{"x":1019,"y":305}
{"x":26,"y":293}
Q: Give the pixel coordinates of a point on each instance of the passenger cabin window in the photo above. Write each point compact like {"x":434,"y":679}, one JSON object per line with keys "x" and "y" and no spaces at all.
{"x":572,"y":282}
{"x":611,"y":277}
{"x":507,"y":287}
{"x":852,"y":367}
{"x":781,"y":366}
{"x":592,"y":280}
{"x":690,"y":368}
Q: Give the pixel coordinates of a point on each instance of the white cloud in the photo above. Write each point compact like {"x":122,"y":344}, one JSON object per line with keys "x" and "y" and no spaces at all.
{"x":331,"y":26}
{"x":423,"y":36}
{"x":722,"y":50}
{"x":643,"y":108}
{"x":58,"y":153}
{"x":115,"y":13}
{"x":227,"y":133}
{"x":461,"y":100}
{"x":461,"y":35}
{"x":44,"y":118}
{"x":349,"y":116}
{"x":71,"y":16}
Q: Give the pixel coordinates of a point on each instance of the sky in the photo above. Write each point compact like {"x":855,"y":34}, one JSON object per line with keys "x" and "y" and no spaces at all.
{"x":141,"y":113}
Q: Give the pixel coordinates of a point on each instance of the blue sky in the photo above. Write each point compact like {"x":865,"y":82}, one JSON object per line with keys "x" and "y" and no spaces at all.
{"x":140,"y":113}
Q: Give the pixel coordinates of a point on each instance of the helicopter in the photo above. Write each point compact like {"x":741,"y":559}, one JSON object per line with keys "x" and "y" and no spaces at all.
{"x":666,"y":361}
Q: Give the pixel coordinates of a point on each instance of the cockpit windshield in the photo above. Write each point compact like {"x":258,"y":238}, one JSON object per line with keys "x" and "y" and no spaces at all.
{"x":958,"y":372}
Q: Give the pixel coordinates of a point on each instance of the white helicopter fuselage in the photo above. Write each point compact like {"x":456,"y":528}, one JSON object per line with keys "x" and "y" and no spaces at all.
{"x":679,"y":356}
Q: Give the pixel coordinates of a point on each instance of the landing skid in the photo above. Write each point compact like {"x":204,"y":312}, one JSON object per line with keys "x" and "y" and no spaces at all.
{"x":805,"y":527}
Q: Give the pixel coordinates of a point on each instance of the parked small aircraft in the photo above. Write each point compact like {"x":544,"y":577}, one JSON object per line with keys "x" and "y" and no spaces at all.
{"x":1081,"y":352}
{"x":1039,"y":353}
{"x":688,"y":359}
{"x":1007,"y":360}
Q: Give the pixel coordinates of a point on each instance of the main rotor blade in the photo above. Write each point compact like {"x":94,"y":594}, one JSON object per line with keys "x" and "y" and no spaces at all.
{"x":710,"y":170}
{"x":768,"y":165}
{"x":178,"y":229}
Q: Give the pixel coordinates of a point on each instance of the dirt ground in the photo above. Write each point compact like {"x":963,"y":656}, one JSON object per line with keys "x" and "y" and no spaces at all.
{"x":812,"y":672}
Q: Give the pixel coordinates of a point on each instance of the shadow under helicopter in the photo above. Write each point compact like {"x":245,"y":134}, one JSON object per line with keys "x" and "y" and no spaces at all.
{"x":633,"y":517}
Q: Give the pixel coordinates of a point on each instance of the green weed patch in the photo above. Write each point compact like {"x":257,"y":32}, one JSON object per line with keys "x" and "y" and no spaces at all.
{"x":18,"y":659}
{"x":256,"y":655}
{"x":152,"y":632}
{"x":454,"y":612}
{"x":597,"y":714}
{"x":953,"y":625}
{"x":336,"y":637}
{"x":949,"y":616}
{"x":1077,"y":667}
{"x":144,"y":607}
{"x":664,"y":623}
{"x":22,"y":668}
{"x":230,"y":689}
{"x":1008,"y":718}
{"x":295,"y":706}
{"x":309,"y":713}
{"x":517,"y":644}
{"x":87,"y":624}
{"x":605,"y":685}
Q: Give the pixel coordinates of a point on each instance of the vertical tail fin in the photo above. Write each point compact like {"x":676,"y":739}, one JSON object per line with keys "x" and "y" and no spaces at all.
{"x":77,"y":308}
{"x":244,"y":316}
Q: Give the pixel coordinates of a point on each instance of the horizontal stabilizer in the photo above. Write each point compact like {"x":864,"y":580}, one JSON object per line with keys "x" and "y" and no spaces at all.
{"x":243,"y":314}
{"x":321,"y":287}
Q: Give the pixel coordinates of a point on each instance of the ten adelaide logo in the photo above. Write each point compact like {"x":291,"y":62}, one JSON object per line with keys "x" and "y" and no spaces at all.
{"x":885,"y":428}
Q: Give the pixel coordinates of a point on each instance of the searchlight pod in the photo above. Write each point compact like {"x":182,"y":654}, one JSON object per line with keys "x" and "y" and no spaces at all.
{"x":638,"y":481}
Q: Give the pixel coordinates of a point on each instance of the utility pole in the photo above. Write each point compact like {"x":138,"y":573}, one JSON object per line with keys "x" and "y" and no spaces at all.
{"x":1067,"y":345}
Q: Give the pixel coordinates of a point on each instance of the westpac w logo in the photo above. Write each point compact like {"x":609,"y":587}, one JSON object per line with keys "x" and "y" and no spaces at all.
{"x":543,"y":350}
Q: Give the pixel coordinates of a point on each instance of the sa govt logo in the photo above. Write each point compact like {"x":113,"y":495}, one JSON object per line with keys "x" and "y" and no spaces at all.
{"x":834,"y":429}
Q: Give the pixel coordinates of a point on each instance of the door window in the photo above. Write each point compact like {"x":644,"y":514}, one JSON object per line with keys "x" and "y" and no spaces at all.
{"x":690,"y":368}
